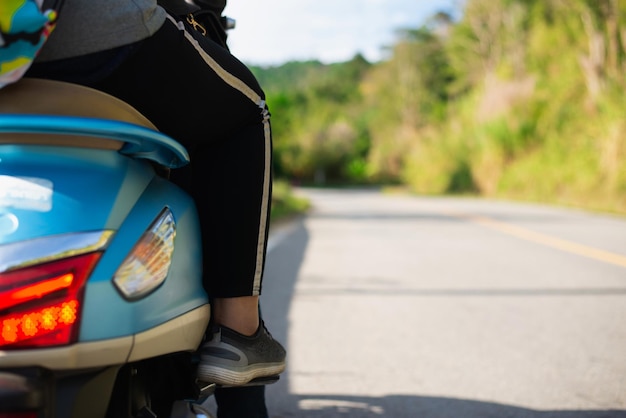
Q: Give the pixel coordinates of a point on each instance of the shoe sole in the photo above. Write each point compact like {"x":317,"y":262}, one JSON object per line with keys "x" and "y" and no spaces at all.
{"x":229,"y":377}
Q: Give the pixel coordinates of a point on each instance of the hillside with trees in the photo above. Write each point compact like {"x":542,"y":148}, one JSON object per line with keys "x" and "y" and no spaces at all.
{"x":520,"y":99}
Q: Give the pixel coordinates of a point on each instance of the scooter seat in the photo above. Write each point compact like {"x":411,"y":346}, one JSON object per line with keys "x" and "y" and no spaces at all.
{"x":31,"y":96}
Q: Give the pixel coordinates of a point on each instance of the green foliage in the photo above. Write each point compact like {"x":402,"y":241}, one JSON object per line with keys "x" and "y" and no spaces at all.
{"x":285,"y":203}
{"x":319,"y":130}
{"x":519,"y":98}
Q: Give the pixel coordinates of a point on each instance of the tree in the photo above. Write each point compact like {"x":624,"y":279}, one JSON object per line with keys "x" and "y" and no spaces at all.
{"x":492,"y":35}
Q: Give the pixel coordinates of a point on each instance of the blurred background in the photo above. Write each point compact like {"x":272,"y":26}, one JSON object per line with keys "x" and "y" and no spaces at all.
{"x":460,"y":256}
{"x":520,"y":99}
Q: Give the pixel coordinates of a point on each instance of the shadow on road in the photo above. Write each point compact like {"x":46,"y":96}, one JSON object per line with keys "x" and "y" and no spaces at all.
{"x":405,"y":406}
{"x":281,"y":273}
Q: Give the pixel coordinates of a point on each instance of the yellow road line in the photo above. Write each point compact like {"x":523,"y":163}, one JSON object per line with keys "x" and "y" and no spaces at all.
{"x":547,"y":240}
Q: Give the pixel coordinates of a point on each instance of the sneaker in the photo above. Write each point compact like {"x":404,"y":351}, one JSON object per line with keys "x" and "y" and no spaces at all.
{"x":229,"y":358}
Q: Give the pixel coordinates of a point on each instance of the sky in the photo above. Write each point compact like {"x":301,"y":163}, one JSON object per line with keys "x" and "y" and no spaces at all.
{"x":272,"y":32}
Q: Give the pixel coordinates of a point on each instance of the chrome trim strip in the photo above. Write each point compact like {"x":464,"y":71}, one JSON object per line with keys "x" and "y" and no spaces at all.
{"x":45,"y":249}
{"x":183,"y":333}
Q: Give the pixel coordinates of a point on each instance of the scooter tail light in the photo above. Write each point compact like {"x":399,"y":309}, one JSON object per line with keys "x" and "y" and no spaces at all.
{"x":147,"y":265}
{"x":40,"y":305}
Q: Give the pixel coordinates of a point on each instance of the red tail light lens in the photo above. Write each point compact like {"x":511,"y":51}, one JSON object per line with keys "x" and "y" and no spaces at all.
{"x":40,"y":305}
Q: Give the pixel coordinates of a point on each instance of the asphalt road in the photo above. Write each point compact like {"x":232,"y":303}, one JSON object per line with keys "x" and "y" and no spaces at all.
{"x":397,"y":306}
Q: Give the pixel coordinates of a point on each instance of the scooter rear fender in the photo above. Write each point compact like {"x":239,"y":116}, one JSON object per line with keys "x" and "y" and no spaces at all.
{"x":79,"y":190}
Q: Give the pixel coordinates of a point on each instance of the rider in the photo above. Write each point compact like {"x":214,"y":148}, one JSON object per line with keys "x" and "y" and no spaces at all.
{"x":195,"y":91}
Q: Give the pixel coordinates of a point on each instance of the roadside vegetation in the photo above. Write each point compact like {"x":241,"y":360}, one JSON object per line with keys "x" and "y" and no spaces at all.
{"x":285,"y":203}
{"x":516,"y":99}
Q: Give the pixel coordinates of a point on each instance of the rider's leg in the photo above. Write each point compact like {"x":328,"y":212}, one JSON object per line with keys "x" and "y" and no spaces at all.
{"x":240,"y":314}
{"x":196,"y":92}
{"x":230,"y":404}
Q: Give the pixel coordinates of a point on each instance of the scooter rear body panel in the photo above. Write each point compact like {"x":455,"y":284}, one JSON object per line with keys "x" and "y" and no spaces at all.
{"x":68,"y":190}
{"x":127,"y":351}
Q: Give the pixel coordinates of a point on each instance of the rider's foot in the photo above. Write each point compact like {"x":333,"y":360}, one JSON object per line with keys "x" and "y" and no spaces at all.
{"x":229,"y":358}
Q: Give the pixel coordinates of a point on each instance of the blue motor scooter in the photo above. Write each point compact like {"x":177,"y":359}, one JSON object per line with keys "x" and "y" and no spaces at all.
{"x":101,"y":302}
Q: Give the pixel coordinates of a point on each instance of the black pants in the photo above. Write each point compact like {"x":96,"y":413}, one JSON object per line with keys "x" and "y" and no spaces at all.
{"x":195,"y":91}
{"x":244,"y":402}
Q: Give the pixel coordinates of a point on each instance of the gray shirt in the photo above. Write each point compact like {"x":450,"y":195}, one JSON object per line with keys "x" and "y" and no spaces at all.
{"x":87,"y":26}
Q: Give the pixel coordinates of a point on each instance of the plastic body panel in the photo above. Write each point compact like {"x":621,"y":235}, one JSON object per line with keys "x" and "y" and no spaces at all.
{"x":107,"y":314}
{"x":58,"y":198}
{"x":89,"y":190}
{"x":73,"y":189}
{"x":138,"y":141}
